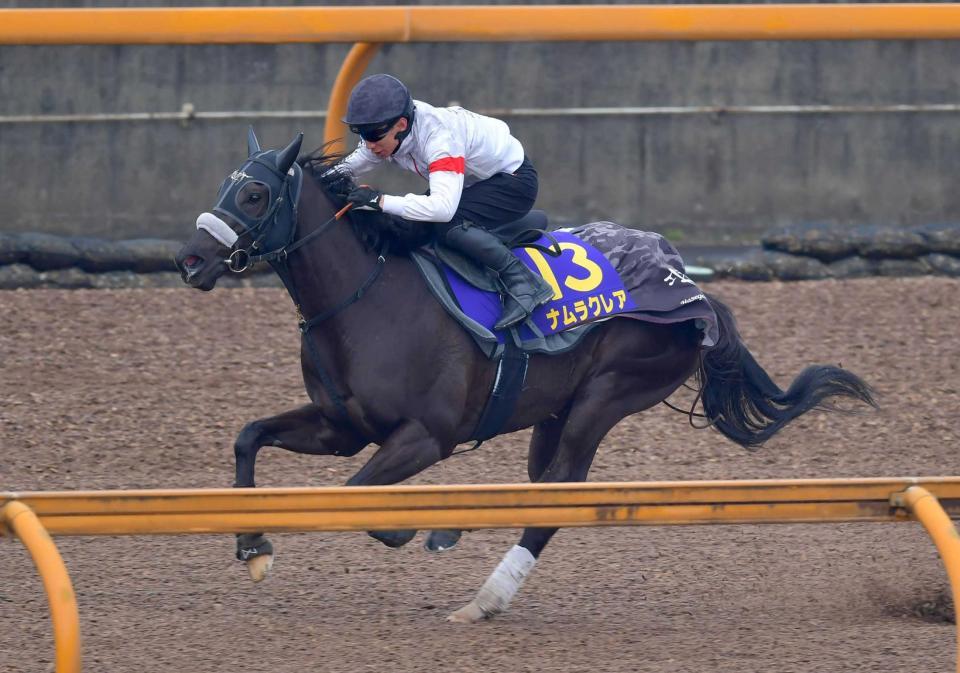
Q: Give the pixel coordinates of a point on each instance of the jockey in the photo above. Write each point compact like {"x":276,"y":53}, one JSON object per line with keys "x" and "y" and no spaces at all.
{"x":478,"y":174}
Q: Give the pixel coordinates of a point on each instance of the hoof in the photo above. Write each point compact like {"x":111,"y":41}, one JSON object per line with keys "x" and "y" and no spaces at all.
{"x":441,"y":540}
{"x":259,"y":566}
{"x":393,"y":538}
{"x":470,"y":613}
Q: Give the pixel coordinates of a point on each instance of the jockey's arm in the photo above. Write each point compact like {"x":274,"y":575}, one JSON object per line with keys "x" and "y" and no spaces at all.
{"x":446,"y":186}
{"x":443,"y":150}
{"x":360,"y":161}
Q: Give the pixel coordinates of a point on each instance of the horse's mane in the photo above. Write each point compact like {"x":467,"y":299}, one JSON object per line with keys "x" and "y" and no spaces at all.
{"x":374,"y":229}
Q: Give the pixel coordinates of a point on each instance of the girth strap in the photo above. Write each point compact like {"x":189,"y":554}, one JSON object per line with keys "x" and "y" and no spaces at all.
{"x":511,"y":373}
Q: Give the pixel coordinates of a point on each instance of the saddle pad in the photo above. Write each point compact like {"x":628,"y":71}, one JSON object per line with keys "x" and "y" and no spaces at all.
{"x":585,"y":287}
{"x":604,"y":271}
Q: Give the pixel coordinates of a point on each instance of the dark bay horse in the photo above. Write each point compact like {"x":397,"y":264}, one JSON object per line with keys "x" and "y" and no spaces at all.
{"x":383,"y":363}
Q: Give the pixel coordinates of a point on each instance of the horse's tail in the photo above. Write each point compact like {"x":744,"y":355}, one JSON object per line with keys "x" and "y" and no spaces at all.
{"x":743,"y":402}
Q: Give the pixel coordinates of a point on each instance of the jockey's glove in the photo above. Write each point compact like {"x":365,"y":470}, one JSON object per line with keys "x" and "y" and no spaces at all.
{"x":365,"y":198}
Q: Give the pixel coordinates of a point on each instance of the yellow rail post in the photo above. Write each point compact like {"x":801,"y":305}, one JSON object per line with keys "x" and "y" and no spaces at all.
{"x":926,"y":508}
{"x":354,"y":65}
{"x":56,"y":581}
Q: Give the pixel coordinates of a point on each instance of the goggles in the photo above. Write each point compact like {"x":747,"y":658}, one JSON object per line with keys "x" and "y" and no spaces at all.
{"x":373,"y":132}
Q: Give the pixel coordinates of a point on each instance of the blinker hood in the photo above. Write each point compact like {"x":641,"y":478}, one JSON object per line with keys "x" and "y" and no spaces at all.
{"x":278,"y":171}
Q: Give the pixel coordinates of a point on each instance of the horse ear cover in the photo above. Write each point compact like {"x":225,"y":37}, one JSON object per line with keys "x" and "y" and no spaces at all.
{"x":253,"y":145}
{"x":288,"y":155}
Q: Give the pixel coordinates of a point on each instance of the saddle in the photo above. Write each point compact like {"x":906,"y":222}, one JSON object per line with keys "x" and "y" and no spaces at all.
{"x":525,"y":231}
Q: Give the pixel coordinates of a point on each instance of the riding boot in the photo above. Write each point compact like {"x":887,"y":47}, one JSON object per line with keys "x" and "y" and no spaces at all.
{"x":524,"y":290}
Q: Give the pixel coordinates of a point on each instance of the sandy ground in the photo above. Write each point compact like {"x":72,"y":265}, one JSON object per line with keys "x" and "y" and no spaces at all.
{"x":143,"y":389}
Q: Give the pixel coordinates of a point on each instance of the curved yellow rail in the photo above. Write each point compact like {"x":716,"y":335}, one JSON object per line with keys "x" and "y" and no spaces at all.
{"x":350,"y":73}
{"x":63,"y":603}
{"x":926,"y":508}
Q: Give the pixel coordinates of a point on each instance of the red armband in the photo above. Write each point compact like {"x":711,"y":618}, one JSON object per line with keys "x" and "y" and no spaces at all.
{"x":451,"y":164}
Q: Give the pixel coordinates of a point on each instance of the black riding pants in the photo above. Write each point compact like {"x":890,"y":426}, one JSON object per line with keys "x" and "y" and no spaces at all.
{"x":496,"y":202}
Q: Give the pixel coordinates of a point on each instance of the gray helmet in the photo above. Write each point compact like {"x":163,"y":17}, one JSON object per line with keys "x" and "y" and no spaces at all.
{"x":378,"y":99}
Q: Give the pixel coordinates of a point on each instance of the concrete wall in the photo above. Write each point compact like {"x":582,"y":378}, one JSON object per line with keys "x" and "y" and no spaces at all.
{"x":696,"y":178}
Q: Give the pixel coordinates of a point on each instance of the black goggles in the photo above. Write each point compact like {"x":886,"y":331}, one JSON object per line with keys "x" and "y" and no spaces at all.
{"x":374,"y":132}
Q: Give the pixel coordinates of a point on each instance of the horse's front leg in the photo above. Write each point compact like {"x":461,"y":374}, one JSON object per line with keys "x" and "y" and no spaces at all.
{"x":410,"y":449}
{"x":303,"y":430}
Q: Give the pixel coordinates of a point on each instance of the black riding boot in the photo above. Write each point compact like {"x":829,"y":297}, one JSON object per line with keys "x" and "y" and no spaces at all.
{"x":524,"y":290}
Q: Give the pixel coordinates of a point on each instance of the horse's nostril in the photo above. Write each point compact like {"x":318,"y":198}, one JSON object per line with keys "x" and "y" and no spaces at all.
{"x":192,"y":261}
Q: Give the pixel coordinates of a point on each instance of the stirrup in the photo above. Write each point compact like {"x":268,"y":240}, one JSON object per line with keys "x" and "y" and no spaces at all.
{"x":510,"y":317}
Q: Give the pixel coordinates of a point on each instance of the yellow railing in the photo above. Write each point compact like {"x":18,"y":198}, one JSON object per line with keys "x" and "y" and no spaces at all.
{"x":476,"y":506}
{"x":31,"y":515}
{"x":371,"y":26}
{"x":473,"y":23}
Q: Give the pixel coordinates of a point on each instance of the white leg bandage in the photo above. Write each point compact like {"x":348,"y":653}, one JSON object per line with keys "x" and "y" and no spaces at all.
{"x":500,"y":588}
{"x":217,"y":228}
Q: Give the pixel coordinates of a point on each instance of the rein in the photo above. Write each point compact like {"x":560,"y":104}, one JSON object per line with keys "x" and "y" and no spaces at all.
{"x":282,"y":252}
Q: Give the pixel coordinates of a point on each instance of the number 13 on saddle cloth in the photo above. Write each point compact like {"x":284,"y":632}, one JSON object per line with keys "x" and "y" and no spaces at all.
{"x":604,"y":271}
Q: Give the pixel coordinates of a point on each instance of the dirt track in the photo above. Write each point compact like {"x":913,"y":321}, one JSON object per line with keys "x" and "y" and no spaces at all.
{"x":136,"y":388}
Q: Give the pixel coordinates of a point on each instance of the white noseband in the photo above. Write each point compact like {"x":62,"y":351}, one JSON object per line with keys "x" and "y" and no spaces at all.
{"x":217,"y":228}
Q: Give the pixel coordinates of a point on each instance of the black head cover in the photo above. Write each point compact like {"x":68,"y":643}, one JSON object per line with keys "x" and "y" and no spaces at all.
{"x":279,"y":172}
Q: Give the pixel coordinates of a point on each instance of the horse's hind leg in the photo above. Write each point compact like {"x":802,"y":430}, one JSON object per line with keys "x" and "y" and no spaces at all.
{"x":442,"y":540}
{"x":302,"y":430}
{"x":561,"y":451}
{"x":543,"y":446}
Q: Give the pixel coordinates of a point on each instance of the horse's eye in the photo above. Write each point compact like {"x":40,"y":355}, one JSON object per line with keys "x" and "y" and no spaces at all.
{"x":253,"y":198}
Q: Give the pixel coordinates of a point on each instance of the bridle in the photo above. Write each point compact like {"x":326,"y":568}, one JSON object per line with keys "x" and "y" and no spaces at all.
{"x":279,"y":222}
{"x":241,"y":259}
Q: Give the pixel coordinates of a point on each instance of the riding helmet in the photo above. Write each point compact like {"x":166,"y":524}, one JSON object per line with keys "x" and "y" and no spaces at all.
{"x":378,"y":99}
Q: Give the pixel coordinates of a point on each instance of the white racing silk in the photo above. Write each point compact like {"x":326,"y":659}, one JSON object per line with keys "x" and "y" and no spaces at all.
{"x":451,"y":148}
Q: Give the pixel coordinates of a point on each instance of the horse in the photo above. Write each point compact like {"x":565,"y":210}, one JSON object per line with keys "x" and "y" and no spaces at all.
{"x":383,"y":363}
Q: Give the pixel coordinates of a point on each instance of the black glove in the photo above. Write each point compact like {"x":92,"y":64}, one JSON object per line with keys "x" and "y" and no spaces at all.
{"x":365,"y":198}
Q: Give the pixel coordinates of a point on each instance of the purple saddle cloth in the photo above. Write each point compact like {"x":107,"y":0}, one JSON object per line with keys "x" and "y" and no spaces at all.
{"x":603,"y":271}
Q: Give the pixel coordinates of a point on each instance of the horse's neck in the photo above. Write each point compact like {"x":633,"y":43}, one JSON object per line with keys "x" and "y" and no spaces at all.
{"x":332,"y":266}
